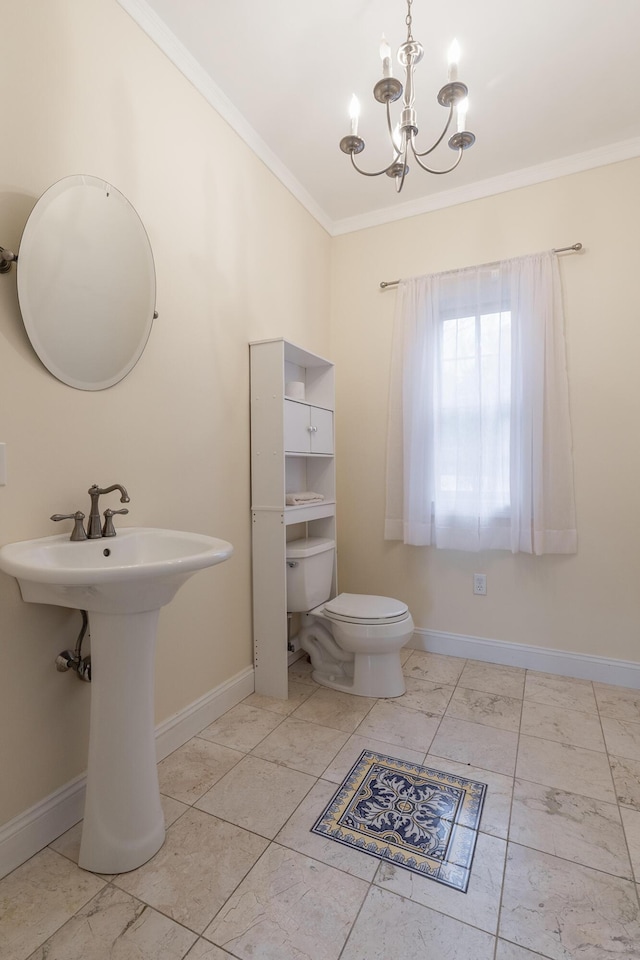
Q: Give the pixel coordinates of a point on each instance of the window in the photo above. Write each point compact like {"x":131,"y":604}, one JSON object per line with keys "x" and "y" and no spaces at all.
{"x":472,"y":435}
{"x":479,"y":416}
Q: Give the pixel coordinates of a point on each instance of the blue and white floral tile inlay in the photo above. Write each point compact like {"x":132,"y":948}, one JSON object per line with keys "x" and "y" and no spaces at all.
{"x":415,"y":817}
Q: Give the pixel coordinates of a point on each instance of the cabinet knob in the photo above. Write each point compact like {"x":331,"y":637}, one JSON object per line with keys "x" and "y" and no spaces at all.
{"x":312,"y":429}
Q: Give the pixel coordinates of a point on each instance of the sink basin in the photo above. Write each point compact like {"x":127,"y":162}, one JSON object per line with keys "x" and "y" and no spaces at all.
{"x":122,"y":582}
{"x":139,"y":569}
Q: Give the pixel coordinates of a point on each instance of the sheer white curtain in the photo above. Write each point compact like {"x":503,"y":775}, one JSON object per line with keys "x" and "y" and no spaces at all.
{"x":479,"y":437}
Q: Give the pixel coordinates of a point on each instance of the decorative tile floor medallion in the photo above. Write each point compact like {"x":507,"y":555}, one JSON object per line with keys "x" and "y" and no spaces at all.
{"x":415,"y":817}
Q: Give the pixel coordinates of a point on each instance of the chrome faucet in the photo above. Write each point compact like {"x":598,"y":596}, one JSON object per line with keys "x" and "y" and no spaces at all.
{"x":94,"y":528}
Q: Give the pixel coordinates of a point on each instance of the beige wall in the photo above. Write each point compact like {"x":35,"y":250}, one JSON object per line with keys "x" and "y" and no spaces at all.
{"x":237,"y":258}
{"x":587,"y":603}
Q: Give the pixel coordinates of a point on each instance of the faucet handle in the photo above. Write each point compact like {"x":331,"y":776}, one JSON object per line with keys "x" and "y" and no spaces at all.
{"x":78,"y":532}
{"x":108,"y":529}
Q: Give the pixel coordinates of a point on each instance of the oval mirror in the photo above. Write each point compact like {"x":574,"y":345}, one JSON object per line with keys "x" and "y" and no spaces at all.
{"x":86,"y":283}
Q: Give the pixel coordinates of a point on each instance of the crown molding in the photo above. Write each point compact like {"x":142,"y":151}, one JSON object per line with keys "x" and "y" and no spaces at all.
{"x":157,"y":30}
{"x":165,"y":39}
{"x":526,"y":177}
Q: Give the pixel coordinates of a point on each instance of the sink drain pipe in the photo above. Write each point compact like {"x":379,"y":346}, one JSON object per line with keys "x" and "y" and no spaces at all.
{"x":73,"y":659}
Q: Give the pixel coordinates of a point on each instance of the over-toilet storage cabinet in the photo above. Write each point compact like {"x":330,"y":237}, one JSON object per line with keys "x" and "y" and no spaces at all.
{"x":292,"y":450}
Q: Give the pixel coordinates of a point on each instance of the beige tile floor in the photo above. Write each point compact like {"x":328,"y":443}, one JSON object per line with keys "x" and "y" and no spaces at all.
{"x":556,"y":872}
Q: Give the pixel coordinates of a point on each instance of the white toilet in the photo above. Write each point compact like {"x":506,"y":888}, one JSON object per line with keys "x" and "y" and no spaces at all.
{"x":354,"y":640}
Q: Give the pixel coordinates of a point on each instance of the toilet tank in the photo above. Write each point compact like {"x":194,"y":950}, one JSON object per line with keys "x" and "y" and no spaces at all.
{"x":309,"y":572}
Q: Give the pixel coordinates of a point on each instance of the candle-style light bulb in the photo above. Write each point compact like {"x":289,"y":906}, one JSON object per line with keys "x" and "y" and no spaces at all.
{"x":354,"y":113}
{"x":454,"y":56}
{"x":461,"y":114}
{"x":385,"y":56}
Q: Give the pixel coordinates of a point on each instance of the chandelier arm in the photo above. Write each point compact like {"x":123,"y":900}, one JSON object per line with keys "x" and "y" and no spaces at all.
{"x":389,"y":127}
{"x":438,"y":141}
{"x":405,"y":170}
{"x":429,"y":169}
{"x":376,"y":173}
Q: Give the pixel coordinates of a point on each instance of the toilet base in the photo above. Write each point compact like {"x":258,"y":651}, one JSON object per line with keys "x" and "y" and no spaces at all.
{"x":374,"y":675}
{"x":362,"y":659}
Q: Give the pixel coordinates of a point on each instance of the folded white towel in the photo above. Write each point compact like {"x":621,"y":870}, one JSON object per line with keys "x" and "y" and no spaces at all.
{"x":307,"y":496}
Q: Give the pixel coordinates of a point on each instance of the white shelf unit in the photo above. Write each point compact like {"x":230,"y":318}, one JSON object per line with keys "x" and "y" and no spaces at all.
{"x":292,"y":450}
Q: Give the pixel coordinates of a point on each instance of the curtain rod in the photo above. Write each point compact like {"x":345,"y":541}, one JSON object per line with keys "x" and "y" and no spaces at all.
{"x":574,"y":247}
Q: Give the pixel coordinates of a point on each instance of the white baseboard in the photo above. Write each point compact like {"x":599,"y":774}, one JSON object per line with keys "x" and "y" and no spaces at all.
{"x":624,"y":673}
{"x":33,"y":829}
{"x":172,"y":733}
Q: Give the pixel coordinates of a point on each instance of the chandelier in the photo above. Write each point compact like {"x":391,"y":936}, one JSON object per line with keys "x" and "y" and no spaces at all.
{"x":403,"y":137}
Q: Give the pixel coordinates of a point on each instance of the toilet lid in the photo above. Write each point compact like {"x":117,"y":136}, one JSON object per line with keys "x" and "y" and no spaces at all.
{"x":364,"y":608}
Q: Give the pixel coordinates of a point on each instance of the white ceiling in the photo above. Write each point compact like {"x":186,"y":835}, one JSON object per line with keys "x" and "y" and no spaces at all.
{"x":554,"y":87}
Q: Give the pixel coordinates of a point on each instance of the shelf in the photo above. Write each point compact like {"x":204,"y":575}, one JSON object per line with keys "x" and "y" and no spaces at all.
{"x":307,"y":426}
{"x":309,"y":456}
{"x":308,"y":403}
{"x":309,"y":511}
{"x":302,"y":512}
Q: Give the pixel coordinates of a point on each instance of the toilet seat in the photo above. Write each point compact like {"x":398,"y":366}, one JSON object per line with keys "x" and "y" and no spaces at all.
{"x":365,"y":609}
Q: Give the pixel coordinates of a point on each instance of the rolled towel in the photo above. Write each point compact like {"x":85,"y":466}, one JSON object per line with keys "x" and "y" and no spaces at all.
{"x":307,"y":496}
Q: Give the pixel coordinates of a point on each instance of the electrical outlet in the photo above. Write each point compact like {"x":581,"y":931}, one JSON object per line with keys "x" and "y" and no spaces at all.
{"x":480,"y":584}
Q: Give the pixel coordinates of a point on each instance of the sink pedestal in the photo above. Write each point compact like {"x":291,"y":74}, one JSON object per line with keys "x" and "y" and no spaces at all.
{"x":122,"y":582}
{"x":123,"y":820}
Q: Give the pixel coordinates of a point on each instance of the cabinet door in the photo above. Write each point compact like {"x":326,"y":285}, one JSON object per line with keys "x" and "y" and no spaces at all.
{"x":297,"y":433}
{"x":321,"y":430}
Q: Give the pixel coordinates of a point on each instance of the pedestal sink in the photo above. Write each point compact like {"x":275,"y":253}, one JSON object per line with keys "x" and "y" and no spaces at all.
{"x":122,"y":582}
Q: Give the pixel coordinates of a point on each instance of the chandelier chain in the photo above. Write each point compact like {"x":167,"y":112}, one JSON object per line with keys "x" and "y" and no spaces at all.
{"x":408,"y":21}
